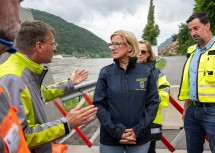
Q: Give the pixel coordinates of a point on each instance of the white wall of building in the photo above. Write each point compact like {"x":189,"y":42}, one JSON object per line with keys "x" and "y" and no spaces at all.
{"x":155,"y":50}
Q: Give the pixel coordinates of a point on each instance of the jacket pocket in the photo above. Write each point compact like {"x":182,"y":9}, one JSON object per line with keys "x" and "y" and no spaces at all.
{"x":210,"y":69}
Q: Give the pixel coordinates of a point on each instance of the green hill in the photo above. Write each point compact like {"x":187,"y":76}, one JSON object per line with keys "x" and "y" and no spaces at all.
{"x":72,"y":39}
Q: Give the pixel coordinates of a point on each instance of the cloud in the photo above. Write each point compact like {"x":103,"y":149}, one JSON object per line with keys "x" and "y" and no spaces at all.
{"x":170,"y":14}
{"x":173,"y":11}
{"x":103,"y":17}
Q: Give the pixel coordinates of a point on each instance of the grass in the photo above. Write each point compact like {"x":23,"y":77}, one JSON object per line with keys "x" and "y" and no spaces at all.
{"x":72,"y":103}
{"x":161,"y":64}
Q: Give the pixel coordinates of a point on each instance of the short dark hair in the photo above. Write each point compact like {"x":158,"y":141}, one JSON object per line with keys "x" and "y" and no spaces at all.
{"x":203,"y":17}
{"x":32,"y":32}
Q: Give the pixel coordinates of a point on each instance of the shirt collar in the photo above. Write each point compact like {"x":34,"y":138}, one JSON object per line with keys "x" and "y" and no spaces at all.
{"x":209,"y":44}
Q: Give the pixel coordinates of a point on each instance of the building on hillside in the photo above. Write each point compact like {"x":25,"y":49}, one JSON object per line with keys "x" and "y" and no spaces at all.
{"x":25,"y":14}
{"x":155,"y":50}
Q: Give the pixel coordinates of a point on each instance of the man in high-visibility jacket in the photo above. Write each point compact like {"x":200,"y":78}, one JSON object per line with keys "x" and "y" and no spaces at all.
{"x":11,"y":132}
{"x":22,"y":74}
{"x":198,"y":86}
{"x":11,"y":135}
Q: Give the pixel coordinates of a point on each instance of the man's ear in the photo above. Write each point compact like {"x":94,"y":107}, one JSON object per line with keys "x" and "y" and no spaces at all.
{"x":39,"y":47}
{"x":208,"y":25}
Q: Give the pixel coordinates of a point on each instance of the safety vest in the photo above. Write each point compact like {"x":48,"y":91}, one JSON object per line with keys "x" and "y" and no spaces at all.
{"x":12,"y":139}
{"x":163,"y":91}
{"x":205,"y":79}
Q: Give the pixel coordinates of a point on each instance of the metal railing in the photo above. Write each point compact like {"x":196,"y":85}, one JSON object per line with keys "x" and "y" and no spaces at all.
{"x":89,"y":86}
{"x":81,"y":91}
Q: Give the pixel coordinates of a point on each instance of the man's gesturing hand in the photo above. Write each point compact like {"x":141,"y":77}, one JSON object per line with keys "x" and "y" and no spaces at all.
{"x":78,"y":76}
{"x":79,"y":116}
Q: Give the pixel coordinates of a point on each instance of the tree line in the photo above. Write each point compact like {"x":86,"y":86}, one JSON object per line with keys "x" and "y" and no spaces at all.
{"x":151,"y":30}
{"x":184,"y":38}
{"x":72,"y":39}
{"x":77,"y":41}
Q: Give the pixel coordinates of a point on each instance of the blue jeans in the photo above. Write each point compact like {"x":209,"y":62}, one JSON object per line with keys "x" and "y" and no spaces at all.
{"x":124,"y":149}
{"x":199,"y":122}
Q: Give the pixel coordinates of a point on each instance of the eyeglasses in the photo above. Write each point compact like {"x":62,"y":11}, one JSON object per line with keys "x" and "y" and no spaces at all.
{"x":54,"y":44}
{"x":143,"y":52}
{"x":115,"y":45}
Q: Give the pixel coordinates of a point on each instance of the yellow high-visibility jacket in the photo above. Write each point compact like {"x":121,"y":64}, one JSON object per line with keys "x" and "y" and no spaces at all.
{"x":23,"y":80}
{"x":163,"y":91}
{"x":205,"y":77}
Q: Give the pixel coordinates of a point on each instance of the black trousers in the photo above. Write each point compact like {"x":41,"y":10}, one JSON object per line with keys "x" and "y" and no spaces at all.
{"x":152,"y":147}
{"x":155,"y":136}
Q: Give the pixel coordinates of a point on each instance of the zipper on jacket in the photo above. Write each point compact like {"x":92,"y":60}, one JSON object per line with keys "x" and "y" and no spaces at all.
{"x":126,"y":78}
{"x":43,"y":74}
{"x":126,"y":83}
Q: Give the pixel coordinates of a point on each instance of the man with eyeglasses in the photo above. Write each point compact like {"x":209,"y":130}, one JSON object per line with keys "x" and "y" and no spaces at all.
{"x":22,"y":74}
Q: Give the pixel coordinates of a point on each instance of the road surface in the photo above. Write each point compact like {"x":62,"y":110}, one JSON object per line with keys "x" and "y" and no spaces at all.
{"x":173,"y":69}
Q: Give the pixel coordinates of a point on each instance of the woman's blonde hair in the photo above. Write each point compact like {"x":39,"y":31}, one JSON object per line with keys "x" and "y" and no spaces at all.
{"x":130,"y":40}
{"x":152,"y":56}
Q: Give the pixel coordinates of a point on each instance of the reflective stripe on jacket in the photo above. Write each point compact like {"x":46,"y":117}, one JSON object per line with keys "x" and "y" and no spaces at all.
{"x":205,"y":79}
{"x":23,"y":78}
{"x":11,"y":135}
{"x":163,"y":91}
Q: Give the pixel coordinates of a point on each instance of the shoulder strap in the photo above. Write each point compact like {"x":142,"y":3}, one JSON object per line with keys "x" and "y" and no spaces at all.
{"x":190,"y":50}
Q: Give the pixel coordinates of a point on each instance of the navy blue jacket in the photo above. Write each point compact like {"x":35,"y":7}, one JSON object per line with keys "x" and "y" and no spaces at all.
{"x":126,"y":99}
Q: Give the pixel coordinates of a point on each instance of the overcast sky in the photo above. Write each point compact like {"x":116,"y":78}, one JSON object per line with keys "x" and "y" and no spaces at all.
{"x":103,"y":17}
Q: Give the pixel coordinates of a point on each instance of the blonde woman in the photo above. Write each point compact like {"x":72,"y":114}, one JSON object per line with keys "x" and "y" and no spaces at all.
{"x":127,"y":98}
{"x":146,"y":55}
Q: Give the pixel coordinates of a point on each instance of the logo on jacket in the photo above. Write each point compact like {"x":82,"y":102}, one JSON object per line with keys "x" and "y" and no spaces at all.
{"x":141,"y":82}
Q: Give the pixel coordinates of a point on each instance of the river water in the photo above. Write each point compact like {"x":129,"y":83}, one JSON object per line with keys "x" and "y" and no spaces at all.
{"x":62,"y":68}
